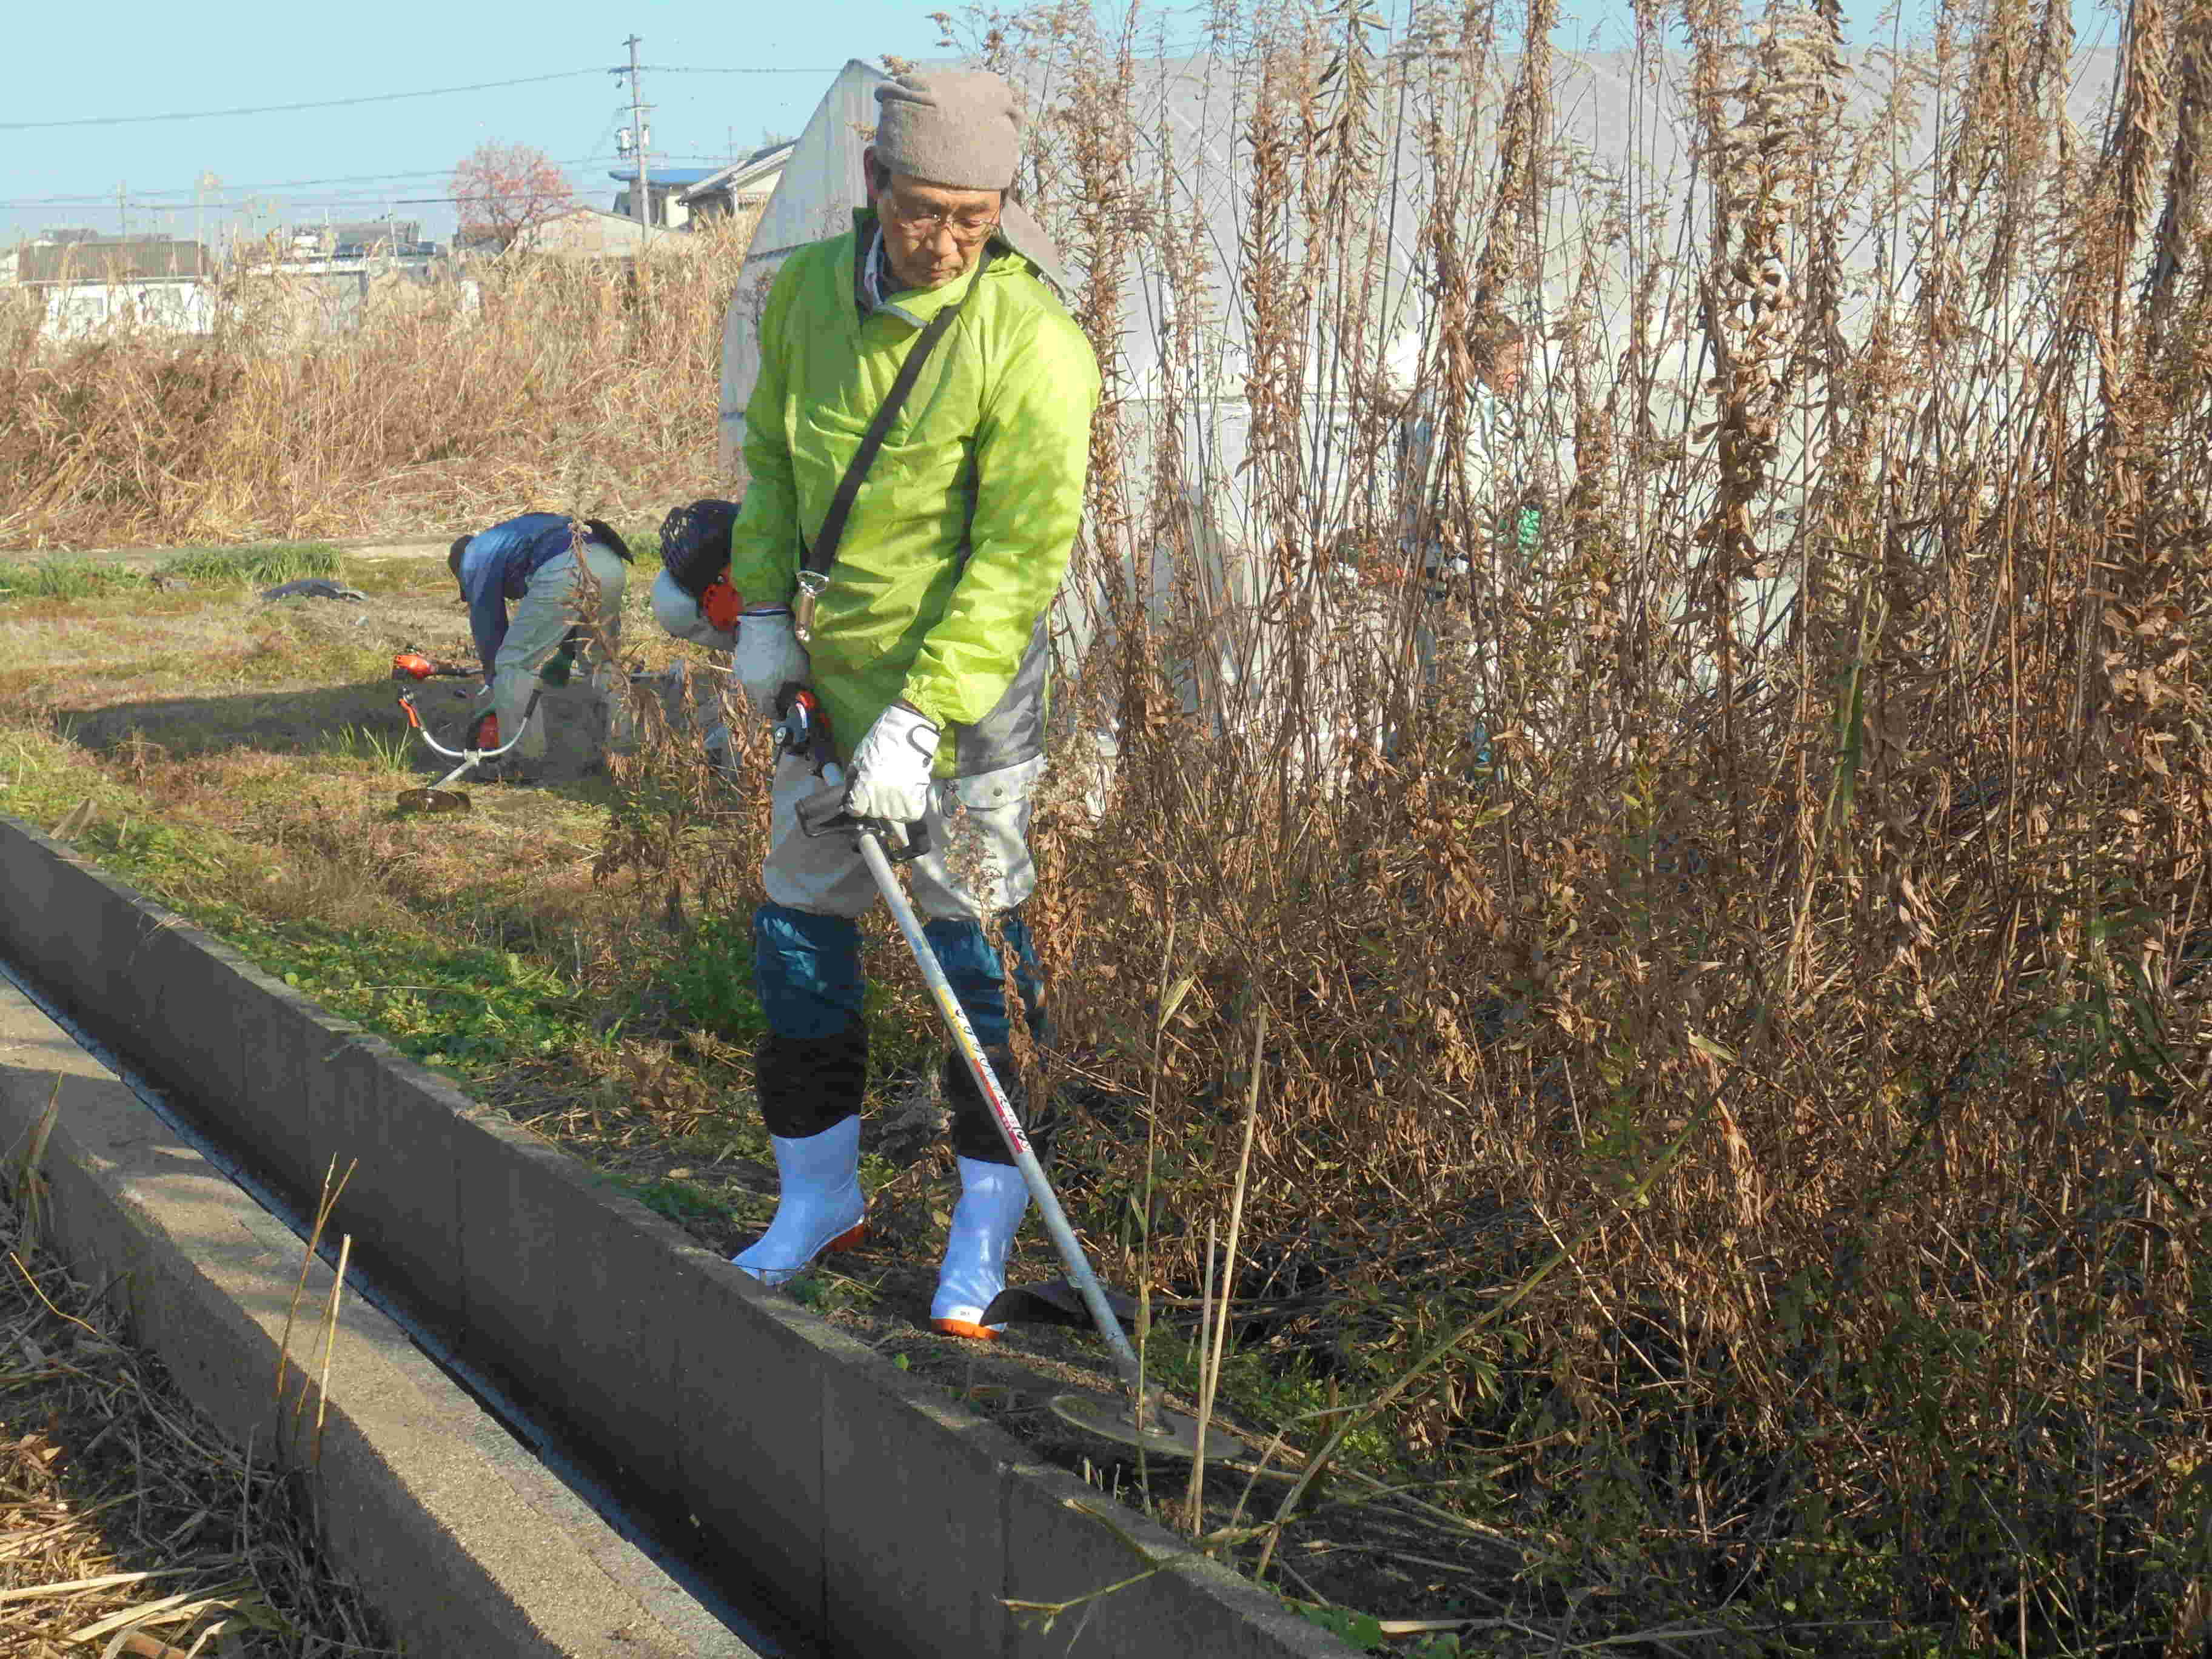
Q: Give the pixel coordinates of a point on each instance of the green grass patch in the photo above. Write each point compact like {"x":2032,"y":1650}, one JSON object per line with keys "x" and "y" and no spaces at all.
{"x":676,"y":1200}
{"x":710,"y":986}
{"x":44,"y":777}
{"x":466,"y":1008}
{"x":265,"y":566}
{"x":80,"y":576}
{"x":65,"y":576}
{"x":375,"y":748}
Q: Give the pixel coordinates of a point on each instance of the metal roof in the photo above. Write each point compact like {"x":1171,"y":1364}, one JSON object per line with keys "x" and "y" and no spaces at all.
{"x":764,"y":162}
{"x":670,"y":176}
{"x":114,"y":262}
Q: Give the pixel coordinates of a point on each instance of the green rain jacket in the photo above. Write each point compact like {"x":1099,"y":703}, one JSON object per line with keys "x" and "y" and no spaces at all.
{"x":960,"y":535}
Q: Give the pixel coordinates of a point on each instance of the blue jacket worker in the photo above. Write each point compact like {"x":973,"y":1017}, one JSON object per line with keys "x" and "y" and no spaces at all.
{"x":565,"y":579}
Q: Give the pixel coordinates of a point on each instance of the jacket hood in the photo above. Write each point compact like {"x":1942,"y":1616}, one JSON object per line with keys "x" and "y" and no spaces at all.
{"x":1021,"y":232}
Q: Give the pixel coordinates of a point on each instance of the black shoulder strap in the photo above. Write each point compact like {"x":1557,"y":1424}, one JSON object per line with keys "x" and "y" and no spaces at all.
{"x":824,"y":554}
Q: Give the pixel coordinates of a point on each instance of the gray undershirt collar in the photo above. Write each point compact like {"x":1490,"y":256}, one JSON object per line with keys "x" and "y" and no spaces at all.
{"x":871,"y":272}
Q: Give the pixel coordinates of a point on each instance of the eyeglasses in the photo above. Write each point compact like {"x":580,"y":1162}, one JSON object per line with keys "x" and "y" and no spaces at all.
{"x":968,"y":228}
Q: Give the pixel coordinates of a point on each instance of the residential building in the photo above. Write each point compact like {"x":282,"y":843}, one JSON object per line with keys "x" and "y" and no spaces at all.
{"x":148,"y":281}
{"x":742,"y":186}
{"x":666,"y":187}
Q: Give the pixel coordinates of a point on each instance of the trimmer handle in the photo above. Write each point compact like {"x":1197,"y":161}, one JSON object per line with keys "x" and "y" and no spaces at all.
{"x":471,"y":754}
{"x":805,"y":732}
{"x":804,"y":729}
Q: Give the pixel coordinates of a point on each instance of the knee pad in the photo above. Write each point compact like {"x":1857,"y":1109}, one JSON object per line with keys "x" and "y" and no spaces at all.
{"x":805,"y":1085}
{"x":974,"y":1132}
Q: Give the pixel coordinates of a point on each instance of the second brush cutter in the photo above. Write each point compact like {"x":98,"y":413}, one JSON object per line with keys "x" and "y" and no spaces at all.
{"x":414,"y":665}
{"x":437,"y":798}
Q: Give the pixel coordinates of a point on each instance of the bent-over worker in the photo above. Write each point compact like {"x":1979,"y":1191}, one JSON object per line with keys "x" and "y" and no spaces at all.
{"x":565,"y":578}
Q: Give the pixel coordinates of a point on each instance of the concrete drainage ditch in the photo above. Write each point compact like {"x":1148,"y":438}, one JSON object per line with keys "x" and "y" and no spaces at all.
{"x":741,"y":1477}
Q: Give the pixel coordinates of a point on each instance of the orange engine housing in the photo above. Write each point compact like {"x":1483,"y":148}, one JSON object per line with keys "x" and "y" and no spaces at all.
{"x":721,"y":603}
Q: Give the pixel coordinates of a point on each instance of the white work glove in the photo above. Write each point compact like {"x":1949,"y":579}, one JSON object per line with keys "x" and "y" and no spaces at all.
{"x":891,"y":768}
{"x":768,"y":657}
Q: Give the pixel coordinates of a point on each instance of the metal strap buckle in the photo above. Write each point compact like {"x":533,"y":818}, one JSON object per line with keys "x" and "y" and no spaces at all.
{"x":811,"y":584}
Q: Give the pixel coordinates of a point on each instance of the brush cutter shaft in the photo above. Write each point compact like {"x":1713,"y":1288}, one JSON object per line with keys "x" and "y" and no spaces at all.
{"x":805,"y":733}
{"x":1002,"y":1109}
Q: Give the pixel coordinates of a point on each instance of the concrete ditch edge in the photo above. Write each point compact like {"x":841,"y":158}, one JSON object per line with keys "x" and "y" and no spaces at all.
{"x":861,"y":1502}
{"x":462,"y":1539}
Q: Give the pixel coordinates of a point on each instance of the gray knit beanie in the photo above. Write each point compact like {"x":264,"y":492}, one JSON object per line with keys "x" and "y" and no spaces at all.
{"x":957,"y":128}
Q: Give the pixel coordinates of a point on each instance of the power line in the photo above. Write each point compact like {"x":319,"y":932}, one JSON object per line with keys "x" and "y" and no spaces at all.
{"x":150,"y":198}
{"x":145,"y":197}
{"x":698,"y":68}
{"x":374,"y":98}
{"x":146,"y":201}
{"x":282,"y":109}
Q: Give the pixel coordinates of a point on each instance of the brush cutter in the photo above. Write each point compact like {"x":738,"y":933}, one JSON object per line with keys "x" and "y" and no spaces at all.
{"x":1143,"y":1423}
{"x":437,"y":798}
{"x":413,"y":666}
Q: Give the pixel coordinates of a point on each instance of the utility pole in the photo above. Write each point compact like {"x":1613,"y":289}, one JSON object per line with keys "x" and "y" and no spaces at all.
{"x":122,"y":212}
{"x":639,"y":135}
{"x":203,"y":187}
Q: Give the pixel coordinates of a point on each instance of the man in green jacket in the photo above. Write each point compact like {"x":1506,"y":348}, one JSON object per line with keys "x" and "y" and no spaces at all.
{"x":926,"y":645}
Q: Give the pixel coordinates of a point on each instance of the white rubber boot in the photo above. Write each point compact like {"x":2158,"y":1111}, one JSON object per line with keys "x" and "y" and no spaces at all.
{"x":992,"y":1200}
{"x":820,"y":1206}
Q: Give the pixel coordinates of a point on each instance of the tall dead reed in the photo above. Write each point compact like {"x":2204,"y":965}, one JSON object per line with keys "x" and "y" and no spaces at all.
{"x":510,"y":384}
{"x":1778,"y":885}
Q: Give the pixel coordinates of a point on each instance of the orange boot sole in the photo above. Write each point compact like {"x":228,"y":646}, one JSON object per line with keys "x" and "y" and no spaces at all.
{"x":962,"y":1328}
{"x":851,"y":1239}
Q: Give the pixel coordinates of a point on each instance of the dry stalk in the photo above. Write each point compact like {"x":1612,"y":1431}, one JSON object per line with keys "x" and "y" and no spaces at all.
{"x":127,"y":1525}
{"x":334,"y":1186}
{"x":1210,"y":1374}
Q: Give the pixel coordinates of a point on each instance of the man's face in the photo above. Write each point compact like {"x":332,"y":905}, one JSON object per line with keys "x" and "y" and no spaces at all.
{"x":1507,"y":362}
{"x":933,"y":234}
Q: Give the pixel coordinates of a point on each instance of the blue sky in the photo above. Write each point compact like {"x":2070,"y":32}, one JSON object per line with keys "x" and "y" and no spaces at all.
{"x":127,"y":57}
